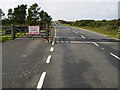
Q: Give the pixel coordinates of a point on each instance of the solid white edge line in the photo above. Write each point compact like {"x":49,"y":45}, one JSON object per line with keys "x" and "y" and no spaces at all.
{"x":95,"y":44}
{"x":52,"y":49}
{"x":83,"y":36}
{"x":115,"y":56}
{"x":48,"y":59}
{"x":68,"y":28}
{"x":40,"y":83}
{"x":75,"y":32}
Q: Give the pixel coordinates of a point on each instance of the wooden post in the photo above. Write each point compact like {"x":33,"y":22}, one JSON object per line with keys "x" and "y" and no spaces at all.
{"x":13,"y":32}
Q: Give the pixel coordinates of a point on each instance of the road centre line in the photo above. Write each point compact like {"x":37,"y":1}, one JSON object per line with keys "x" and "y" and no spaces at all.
{"x":40,"y":83}
{"x":51,"y":49}
{"x":55,"y":31}
{"x":53,"y":42}
{"x":102,"y":48}
{"x":48,"y":59}
{"x":83,"y":36}
{"x":115,"y":56}
{"x":95,"y":44}
{"x":62,"y":41}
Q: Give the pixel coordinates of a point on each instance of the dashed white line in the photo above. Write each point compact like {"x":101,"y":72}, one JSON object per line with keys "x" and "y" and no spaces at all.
{"x":48,"y":59}
{"x":102,"y":48}
{"x":40,"y":83}
{"x":52,"y":49}
{"x":96,"y":44}
{"x":53,"y":43}
{"x":75,"y":32}
{"x":115,"y":56}
{"x":83,"y":36}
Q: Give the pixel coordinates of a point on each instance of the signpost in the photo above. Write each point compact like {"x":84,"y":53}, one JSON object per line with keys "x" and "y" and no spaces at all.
{"x":34,"y":30}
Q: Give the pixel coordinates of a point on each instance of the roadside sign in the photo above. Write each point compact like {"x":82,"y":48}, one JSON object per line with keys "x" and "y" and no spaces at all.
{"x":34,"y":30}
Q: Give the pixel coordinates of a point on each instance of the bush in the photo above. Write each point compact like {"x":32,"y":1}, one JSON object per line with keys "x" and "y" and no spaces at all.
{"x":111,"y":27}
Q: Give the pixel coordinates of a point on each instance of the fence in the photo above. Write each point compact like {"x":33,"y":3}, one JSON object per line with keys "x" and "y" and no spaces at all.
{"x":13,"y":32}
{"x":5,"y":33}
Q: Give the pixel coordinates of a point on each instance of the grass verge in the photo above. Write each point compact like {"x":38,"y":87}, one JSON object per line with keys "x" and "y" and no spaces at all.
{"x":5,"y":38}
{"x":102,"y":30}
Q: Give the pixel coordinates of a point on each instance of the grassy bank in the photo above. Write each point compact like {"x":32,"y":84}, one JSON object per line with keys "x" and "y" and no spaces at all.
{"x":105,"y":29}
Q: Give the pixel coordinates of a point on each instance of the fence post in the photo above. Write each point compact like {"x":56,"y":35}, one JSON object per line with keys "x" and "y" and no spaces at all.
{"x":47,"y":36}
{"x":13,"y":31}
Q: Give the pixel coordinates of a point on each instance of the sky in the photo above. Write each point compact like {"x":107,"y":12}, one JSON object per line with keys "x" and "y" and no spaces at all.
{"x":70,"y":10}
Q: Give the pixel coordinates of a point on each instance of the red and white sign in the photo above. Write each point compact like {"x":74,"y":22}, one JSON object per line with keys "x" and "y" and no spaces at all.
{"x":34,"y":30}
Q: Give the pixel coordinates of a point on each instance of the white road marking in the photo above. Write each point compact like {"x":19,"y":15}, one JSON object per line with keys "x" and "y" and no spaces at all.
{"x":75,"y":32}
{"x":67,"y":41}
{"x":52,"y":49}
{"x":54,"y":37}
{"x":102,"y":48}
{"x":48,"y":59}
{"x":40,"y":83}
{"x":53,"y":43}
{"x":62,"y":41}
{"x":83,"y":36}
{"x":69,"y":28}
{"x":115,"y":56}
{"x":96,"y":44}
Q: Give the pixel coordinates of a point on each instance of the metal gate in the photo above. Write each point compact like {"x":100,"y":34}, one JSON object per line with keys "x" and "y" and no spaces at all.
{"x":21,"y":32}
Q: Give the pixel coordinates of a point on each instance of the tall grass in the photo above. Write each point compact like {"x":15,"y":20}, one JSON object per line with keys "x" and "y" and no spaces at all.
{"x":109,"y":28}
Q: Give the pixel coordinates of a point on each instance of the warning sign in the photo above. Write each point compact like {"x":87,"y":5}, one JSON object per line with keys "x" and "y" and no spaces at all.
{"x":34,"y":30}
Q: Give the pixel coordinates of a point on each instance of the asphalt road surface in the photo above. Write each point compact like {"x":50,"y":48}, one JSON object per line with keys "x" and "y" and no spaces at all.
{"x":76,"y":58}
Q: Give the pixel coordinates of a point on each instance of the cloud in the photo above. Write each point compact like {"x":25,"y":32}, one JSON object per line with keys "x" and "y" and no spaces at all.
{"x":71,"y":9}
{"x":83,"y":10}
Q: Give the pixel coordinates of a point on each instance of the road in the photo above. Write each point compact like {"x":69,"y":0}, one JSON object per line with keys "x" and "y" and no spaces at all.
{"x":76,"y":59}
